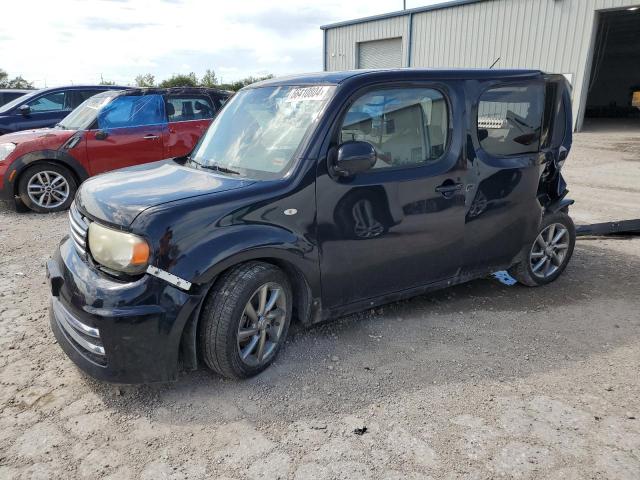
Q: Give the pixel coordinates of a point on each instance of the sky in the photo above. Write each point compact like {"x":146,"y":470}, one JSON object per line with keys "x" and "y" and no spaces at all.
{"x":61,"y":42}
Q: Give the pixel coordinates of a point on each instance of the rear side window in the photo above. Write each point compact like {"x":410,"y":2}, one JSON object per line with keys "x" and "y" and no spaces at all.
{"x":407,"y":127}
{"x":185,"y":108}
{"x":510,"y":119}
{"x":74,"y":98}
{"x":48,"y":103}
{"x":132,"y":111}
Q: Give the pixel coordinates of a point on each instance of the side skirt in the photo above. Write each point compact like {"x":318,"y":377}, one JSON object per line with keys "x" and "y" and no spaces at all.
{"x":334,"y":313}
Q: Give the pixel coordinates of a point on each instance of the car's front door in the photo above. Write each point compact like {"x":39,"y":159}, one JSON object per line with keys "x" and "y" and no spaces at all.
{"x":503,"y":210}
{"x":400,"y":224}
{"x":189,"y":116}
{"x":44,"y":111}
{"x":129,"y":131}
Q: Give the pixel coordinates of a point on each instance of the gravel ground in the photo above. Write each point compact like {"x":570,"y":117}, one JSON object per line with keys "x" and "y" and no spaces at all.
{"x":477,"y":381}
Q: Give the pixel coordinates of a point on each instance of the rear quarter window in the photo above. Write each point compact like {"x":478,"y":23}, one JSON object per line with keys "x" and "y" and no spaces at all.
{"x":510,"y":119}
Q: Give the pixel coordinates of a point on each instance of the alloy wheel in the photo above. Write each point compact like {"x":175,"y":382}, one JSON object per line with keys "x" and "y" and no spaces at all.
{"x":48,"y":189}
{"x":549,"y":250}
{"x":260,"y":328}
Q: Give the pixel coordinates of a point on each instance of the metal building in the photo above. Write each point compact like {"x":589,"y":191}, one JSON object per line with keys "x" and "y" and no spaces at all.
{"x":595,"y":43}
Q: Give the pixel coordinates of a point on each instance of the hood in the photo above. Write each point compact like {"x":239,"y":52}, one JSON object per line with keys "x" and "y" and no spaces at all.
{"x":118,"y":197}
{"x":42,"y":138}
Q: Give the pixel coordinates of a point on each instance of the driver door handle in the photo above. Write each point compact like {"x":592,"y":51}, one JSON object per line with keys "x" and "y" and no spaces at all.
{"x":150,"y":137}
{"x":448,"y":189}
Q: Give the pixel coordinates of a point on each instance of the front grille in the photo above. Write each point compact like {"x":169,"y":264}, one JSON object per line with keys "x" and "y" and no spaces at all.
{"x":78,"y":229}
{"x":85,"y":338}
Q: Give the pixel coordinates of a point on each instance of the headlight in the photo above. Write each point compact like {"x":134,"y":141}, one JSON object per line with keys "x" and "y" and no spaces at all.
{"x":120,"y":251}
{"x":6,"y":149}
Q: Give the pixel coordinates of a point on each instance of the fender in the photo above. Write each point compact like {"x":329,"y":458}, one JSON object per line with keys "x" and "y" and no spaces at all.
{"x":259,"y":242}
{"x":559,"y":205}
{"x":63,"y":157}
{"x":240,"y":243}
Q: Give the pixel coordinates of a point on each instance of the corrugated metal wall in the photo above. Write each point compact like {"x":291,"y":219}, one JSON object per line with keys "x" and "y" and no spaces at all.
{"x":551,"y":35}
{"x":342,"y":42}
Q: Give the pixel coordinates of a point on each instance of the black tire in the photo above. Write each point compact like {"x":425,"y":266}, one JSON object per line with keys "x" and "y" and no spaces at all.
{"x":224,"y":310}
{"x":523,"y":271}
{"x":47,"y":168}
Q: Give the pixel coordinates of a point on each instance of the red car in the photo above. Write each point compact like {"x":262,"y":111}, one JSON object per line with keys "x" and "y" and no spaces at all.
{"x":115,"y":129}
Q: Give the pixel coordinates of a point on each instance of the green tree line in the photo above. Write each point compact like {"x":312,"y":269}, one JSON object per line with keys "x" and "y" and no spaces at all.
{"x":209,"y":79}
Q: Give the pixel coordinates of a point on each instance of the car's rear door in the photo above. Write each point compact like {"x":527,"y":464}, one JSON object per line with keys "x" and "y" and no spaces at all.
{"x":189,"y":116}
{"x":503,"y":210}
{"x":399,"y":225}
{"x":129,"y":131}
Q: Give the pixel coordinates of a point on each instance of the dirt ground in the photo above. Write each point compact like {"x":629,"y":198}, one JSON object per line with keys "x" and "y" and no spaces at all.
{"x":477,"y":381}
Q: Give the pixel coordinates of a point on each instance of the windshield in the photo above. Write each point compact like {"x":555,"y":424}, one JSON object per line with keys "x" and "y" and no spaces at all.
{"x":18,"y":101}
{"x":259,"y":131}
{"x":85,"y":114}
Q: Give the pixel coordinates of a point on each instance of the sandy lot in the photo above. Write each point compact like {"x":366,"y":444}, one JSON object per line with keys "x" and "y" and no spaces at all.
{"x":477,"y":381}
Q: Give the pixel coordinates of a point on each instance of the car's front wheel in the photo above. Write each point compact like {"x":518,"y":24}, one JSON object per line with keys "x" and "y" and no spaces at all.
{"x":245,"y":319}
{"x":550,"y":252}
{"x":47,"y":187}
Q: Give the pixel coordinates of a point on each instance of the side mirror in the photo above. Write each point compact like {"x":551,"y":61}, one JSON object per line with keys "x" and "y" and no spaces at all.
{"x":101,"y":135}
{"x":24,"y":109}
{"x":354,"y":157}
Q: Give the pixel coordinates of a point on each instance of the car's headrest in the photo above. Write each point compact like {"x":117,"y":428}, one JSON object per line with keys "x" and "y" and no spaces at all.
{"x":358,"y":121}
{"x":171,"y":110}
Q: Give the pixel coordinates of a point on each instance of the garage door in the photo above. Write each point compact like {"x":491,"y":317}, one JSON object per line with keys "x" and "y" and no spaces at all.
{"x":380,"y":53}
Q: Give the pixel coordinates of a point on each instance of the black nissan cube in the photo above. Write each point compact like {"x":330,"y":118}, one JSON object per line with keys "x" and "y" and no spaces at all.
{"x":308,"y":198}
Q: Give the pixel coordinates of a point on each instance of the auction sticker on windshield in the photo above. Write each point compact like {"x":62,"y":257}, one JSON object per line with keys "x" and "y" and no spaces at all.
{"x":306,"y":94}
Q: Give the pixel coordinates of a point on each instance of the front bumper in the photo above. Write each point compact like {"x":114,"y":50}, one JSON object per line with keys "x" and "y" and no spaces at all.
{"x":6,"y":192}
{"x":122,"y":332}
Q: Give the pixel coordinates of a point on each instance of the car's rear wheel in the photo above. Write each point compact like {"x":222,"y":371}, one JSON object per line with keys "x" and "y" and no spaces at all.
{"x":245,"y":320}
{"x":47,"y":187}
{"x":548,"y":255}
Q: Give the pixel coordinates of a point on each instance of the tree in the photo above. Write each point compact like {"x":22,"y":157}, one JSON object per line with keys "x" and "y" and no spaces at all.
{"x":17,"y":82}
{"x":146,"y":80}
{"x":180,"y":80}
{"x":105,"y":82}
{"x":238,"y":84}
{"x":209,"y":79}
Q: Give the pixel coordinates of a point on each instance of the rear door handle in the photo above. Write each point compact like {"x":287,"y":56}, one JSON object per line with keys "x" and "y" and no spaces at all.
{"x":150,"y":137}
{"x":448,"y":189}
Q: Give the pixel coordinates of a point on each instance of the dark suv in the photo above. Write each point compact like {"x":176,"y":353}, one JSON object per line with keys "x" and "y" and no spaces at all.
{"x":311,"y":197}
{"x":46,"y":107}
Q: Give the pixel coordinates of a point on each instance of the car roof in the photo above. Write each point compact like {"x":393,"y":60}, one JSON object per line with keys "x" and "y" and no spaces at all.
{"x":335,"y":78}
{"x":175,"y":90}
{"x":83,"y":87}
{"x":18,"y":90}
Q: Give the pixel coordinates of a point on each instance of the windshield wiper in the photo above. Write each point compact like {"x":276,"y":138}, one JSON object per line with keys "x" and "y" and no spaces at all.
{"x":219,"y":168}
{"x":212,"y":166}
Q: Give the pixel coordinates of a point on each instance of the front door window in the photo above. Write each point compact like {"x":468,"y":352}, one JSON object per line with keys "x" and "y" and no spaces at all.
{"x":52,"y":102}
{"x":132,"y":111}
{"x":408,"y":127}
